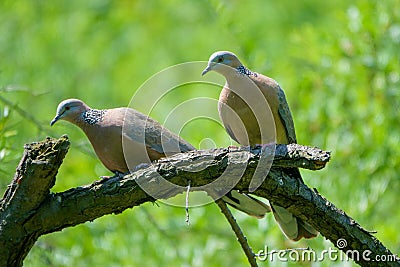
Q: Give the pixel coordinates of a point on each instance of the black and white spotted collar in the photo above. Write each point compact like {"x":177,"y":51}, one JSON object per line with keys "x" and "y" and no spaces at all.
{"x":243,"y":70}
{"x":93,"y":116}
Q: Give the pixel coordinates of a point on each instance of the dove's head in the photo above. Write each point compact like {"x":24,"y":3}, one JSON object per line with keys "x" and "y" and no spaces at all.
{"x":69,"y":110}
{"x":219,"y":60}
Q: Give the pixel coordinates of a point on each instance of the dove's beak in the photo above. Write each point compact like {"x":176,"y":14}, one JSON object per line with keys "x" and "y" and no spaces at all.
{"x":206,"y":70}
{"x":56,"y":118}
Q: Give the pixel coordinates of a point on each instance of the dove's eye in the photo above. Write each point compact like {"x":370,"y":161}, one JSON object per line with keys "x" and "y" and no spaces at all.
{"x":220,"y":59}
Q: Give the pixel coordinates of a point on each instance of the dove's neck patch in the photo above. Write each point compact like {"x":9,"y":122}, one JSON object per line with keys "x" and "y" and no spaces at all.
{"x":93,"y":116}
{"x":243,"y":70}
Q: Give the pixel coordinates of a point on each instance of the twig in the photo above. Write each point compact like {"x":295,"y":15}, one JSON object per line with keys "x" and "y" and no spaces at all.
{"x":187,"y":204}
{"x":238,"y":232}
{"x":23,"y":113}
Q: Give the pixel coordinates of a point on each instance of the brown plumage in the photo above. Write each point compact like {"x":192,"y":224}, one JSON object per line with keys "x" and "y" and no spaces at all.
{"x":254,"y":111}
{"x":117,"y":132}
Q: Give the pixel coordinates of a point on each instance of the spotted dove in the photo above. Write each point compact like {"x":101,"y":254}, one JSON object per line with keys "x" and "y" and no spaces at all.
{"x":239,"y":95}
{"x":111,"y":131}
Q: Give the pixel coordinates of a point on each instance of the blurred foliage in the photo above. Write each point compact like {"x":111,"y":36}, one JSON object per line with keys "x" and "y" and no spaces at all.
{"x":6,"y":137}
{"x":338,"y":62}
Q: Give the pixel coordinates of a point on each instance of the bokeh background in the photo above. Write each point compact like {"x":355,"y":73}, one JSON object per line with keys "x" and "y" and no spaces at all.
{"x":338,"y":62}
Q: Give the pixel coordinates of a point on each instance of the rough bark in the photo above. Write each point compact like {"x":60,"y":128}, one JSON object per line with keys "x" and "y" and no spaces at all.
{"x":29,"y":189}
{"x":28,"y":209}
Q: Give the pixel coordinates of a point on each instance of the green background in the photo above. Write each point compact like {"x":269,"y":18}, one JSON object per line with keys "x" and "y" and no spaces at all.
{"x":338,"y":62}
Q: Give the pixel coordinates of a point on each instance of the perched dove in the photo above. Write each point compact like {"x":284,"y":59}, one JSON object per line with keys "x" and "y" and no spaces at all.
{"x":244,"y":82}
{"x":111,"y":131}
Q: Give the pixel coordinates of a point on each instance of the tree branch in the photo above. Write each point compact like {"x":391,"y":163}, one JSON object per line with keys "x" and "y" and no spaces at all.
{"x":27,"y":214}
{"x":30,"y":187}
